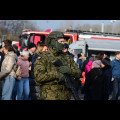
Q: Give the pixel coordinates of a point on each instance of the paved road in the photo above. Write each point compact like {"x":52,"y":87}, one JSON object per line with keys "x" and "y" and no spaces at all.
{"x":82,"y":96}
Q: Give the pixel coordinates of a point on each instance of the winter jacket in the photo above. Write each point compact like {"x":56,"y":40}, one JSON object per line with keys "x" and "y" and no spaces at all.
{"x":88,"y":67}
{"x":34,"y":88}
{"x":24,"y":64}
{"x":9,"y":65}
{"x":80,"y":64}
{"x":94,"y":87}
{"x":115,"y":67}
{"x":35,"y":56}
{"x":108,"y":76}
{"x":84,"y":64}
{"x":83,"y":79}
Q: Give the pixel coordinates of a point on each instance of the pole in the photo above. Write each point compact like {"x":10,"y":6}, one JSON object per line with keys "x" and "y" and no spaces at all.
{"x":112,"y":21}
{"x":102,"y":27}
{"x":24,"y":25}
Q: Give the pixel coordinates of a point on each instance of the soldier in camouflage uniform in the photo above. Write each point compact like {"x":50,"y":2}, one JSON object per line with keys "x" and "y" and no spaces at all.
{"x":51,"y":78}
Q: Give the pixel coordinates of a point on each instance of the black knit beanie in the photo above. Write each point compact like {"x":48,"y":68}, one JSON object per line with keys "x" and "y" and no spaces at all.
{"x":106,"y":61}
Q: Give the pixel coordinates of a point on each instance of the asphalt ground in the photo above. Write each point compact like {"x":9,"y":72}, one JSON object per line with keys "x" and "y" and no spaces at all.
{"x":81,"y":95}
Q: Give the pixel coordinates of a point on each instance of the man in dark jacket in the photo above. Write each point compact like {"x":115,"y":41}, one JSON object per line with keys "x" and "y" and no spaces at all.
{"x":115,"y":67}
{"x":31,"y":49}
{"x":80,"y":61}
{"x":66,"y":50}
{"x":106,"y":68}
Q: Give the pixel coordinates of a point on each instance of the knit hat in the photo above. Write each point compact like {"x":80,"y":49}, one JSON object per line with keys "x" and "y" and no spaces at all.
{"x":91,"y":59}
{"x":15,"y":46}
{"x":31,"y":45}
{"x":66,"y":46}
{"x":106,"y":61}
{"x":96,"y":63}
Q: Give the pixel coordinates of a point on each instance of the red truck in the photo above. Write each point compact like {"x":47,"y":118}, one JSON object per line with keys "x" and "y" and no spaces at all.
{"x":37,"y":36}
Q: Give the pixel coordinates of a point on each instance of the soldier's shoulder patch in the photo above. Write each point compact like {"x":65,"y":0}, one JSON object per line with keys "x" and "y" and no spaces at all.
{"x":38,"y":58}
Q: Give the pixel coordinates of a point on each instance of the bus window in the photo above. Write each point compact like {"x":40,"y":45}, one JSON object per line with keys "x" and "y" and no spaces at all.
{"x":37,"y":39}
{"x":77,"y":51}
{"x":31,"y":39}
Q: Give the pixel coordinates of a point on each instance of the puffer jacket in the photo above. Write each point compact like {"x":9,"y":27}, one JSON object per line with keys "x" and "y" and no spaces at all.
{"x":88,"y":67}
{"x":9,"y":65}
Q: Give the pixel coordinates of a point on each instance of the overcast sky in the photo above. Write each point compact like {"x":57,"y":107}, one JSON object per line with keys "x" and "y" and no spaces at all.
{"x":53,"y":24}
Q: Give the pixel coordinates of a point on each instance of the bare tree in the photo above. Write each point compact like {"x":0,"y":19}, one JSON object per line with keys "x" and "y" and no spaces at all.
{"x":13,"y":28}
{"x":85,"y":27}
{"x":96,"y":28}
{"x":117,"y":28}
{"x":77,"y":27}
{"x":69,"y":24}
{"x":108,"y":28}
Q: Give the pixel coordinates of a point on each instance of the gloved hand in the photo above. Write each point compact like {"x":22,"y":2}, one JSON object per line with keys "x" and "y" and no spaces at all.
{"x":64,"y":70}
{"x":61,"y":77}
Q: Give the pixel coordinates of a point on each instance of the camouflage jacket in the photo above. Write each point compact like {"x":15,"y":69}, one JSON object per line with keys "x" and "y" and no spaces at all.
{"x":45,"y":72}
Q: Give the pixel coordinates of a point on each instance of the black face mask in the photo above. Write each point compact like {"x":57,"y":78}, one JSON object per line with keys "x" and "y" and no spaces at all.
{"x":58,"y":47}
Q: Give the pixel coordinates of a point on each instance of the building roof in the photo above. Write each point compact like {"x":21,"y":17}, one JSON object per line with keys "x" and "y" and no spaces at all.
{"x":103,"y":45}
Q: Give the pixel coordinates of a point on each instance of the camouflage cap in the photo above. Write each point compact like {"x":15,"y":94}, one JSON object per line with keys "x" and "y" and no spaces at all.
{"x":54,"y":35}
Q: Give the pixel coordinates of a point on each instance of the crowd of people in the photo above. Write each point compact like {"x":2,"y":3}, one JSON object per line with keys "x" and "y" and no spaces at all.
{"x":30,"y":74}
{"x":16,"y":69}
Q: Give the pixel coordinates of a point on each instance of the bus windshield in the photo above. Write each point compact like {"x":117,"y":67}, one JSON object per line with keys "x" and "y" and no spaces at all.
{"x":77,"y":51}
{"x":35,"y":38}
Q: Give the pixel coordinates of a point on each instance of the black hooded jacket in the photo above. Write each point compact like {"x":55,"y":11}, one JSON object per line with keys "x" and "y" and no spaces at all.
{"x":98,"y":84}
{"x":94,"y":85}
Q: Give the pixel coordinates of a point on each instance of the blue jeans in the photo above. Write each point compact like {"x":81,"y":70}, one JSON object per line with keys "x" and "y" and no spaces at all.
{"x":23,"y":89}
{"x":14,"y":95}
{"x":116,"y":89}
{"x":7,"y":88}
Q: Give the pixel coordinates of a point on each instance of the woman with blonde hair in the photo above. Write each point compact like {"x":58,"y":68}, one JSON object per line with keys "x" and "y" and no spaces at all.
{"x":41,"y":48}
{"x":34,"y":89}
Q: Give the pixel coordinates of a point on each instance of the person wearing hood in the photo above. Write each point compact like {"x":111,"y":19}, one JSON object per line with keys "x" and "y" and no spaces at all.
{"x":94,"y":83}
{"x":8,"y":72}
{"x":51,"y":77}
